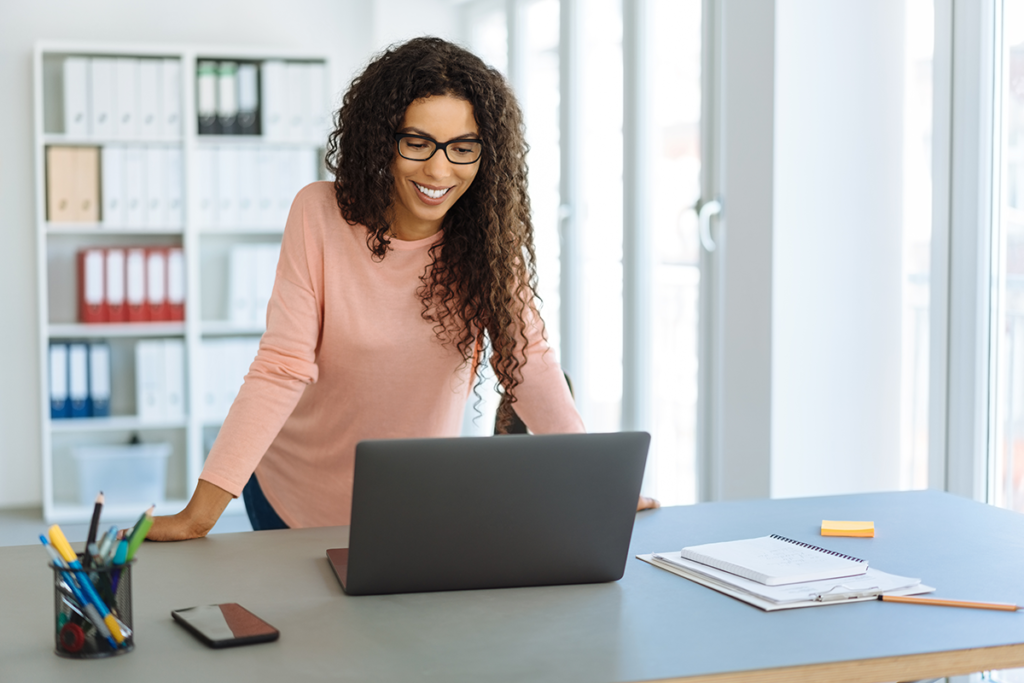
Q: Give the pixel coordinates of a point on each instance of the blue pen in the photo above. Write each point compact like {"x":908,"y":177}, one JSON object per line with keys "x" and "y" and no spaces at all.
{"x":87,"y":607}
{"x":120,"y":557}
{"x":105,"y":544}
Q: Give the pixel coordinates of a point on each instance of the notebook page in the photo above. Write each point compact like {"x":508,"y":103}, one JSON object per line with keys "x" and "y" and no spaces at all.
{"x":774,"y":560}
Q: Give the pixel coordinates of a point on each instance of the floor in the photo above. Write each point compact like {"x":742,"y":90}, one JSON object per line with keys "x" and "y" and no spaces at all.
{"x":23,"y":526}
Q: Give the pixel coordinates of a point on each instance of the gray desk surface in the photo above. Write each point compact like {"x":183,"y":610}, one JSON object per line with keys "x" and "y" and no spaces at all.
{"x":650,"y":625}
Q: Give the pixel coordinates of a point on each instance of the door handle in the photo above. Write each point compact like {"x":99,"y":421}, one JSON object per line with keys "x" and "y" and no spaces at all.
{"x":704,"y":214}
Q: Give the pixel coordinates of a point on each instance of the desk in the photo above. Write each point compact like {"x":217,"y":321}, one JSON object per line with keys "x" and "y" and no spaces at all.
{"x":651,"y":625}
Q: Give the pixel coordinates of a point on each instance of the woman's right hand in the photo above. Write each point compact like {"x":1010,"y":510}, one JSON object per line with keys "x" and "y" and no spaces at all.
{"x":195,"y":521}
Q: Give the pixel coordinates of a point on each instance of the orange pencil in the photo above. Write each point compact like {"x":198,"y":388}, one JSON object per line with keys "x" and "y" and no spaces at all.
{"x":1004,"y":606}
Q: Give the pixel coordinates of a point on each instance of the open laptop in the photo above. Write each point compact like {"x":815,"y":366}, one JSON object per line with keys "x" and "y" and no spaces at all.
{"x":491,"y":512}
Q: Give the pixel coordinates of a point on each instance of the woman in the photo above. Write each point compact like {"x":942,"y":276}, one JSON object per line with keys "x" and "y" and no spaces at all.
{"x":391,"y":283}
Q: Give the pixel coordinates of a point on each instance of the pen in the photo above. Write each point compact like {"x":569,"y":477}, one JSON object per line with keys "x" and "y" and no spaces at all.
{"x":87,"y":607}
{"x":138,"y":534}
{"x":93,"y":526}
{"x":108,"y":544}
{"x":1004,"y":606}
{"x":64,"y":548}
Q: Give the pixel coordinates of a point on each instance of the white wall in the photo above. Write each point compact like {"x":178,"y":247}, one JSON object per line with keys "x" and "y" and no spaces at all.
{"x":837,"y":247}
{"x":347,"y":31}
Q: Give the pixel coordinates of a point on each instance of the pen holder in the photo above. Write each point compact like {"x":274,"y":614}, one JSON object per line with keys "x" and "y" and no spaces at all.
{"x":82,"y":627}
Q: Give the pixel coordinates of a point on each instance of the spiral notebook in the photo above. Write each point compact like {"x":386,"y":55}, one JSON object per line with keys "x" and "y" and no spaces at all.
{"x":775,"y":560}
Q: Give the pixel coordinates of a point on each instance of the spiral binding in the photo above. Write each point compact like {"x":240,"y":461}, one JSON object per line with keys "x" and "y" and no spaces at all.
{"x":818,"y":548}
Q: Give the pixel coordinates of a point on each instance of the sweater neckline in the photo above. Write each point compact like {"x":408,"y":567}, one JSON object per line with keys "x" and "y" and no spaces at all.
{"x":412,"y":245}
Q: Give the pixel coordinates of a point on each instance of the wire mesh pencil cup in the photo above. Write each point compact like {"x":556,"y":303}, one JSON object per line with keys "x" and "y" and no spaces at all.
{"x":81,"y":631}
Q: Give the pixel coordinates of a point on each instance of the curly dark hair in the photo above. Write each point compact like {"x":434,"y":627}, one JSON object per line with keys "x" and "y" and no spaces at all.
{"x":481,"y":284}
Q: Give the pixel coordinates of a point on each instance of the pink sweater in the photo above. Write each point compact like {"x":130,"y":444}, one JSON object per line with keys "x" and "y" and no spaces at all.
{"x":346,"y":357}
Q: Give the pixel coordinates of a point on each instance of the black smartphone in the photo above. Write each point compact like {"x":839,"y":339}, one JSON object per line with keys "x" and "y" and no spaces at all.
{"x":225,"y":625}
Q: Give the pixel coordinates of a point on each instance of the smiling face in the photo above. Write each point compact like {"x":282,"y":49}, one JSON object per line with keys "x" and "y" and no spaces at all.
{"x":426,"y":190}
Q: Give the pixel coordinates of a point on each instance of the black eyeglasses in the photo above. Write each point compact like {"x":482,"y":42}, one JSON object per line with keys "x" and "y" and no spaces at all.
{"x":419,"y":148}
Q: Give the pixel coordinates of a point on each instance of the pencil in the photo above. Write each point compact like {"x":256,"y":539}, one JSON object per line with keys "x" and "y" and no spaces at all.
{"x":1004,"y":606}
{"x":93,"y":525}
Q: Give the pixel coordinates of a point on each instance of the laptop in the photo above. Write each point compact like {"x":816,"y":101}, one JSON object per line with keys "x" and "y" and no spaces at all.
{"x":490,"y":512}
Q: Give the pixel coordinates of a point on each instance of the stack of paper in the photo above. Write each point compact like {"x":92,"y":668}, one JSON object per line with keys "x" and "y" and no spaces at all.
{"x":867,"y":586}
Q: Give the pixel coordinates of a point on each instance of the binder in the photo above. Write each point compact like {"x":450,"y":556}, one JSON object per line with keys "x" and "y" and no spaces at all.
{"x":174,"y":200}
{"x":92,"y":306}
{"x":248,"y":100}
{"x":274,"y":95}
{"x":134,"y":186}
{"x":112,"y":183}
{"x":297,"y":103}
{"x":209,"y":397}
{"x":150,"y":396}
{"x":154,"y":214}
{"x":135,"y":285}
{"x":266,"y":270}
{"x":76,"y":97}
{"x":227,"y":187}
{"x":248,"y":187}
{"x":175,"y":284}
{"x":174,"y":379}
{"x":156,"y":284}
{"x":126,"y":97}
{"x":227,"y":97}
{"x":60,"y":184}
{"x":117,"y":309}
{"x":102,"y":74}
{"x":318,"y":110}
{"x":206,"y":97}
{"x":150,"y":88}
{"x":204,"y":203}
{"x":267,"y":184}
{"x":170,"y":99}
{"x":86,"y":197}
{"x":99,"y":379}
{"x":287,"y":186}
{"x":242,"y":284}
{"x":305,"y":166}
{"x":78,"y":379}
{"x":60,"y":407}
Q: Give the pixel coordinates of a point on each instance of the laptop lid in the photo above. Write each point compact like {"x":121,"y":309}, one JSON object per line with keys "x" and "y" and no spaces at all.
{"x":491,"y":512}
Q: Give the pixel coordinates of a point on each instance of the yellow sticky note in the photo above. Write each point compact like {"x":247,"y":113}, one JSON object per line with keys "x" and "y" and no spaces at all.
{"x":834,"y":528}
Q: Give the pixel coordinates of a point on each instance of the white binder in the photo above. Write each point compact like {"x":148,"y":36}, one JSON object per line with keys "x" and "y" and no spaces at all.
{"x":242,"y":284}
{"x":150,"y":398}
{"x":227,"y":96}
{"x":248,"y":98}
{"x":175,"y":276}
{"x":297,"y":103}
{"x":150,"y":88}
{"x":102,"y":105}
{"x":155,"y":213}
{"x":209,"y":396}
{"x":58,"y":380}
{"x":115,"y":274}
{"x":287,"y":185}
{"x":156,"y":280}
{"x":248,"y":187}
{"x":134,"y":186}
{"x":112,"y":169}
{"x":266,"y":271}
{"x":76,"y":97}
{"x":204,"y":178}
{"x":173,"y":184}
{"x":318,"y":112}
{"x":135,"y":277}
{"x":267,"y":182}
{"x":227,"y":187}
{"x":174,"y":379}
{"x":126,"y":89}
{"x":274,"y":98}
{"x":170,"y":99}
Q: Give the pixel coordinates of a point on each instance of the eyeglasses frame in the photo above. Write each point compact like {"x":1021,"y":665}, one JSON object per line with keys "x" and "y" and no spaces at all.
{"x":437,"y":146}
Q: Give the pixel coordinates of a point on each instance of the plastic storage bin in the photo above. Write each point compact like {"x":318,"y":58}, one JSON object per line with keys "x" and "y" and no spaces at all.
{"x":131,"y":473}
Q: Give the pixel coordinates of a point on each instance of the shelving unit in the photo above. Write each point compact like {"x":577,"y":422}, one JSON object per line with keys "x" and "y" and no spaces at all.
{"x":206,"y":249}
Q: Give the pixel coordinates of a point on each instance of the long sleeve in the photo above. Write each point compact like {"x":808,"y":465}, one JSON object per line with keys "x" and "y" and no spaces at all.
{"x":284,"y":365}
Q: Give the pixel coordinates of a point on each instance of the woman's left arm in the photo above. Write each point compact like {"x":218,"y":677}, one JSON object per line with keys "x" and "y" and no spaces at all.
{"x":543,"y":400}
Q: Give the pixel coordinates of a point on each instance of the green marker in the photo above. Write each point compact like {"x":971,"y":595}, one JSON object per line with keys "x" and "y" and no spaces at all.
{"x":139,"y":532}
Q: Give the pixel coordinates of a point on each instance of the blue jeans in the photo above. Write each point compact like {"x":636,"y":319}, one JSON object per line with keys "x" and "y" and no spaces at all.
{"x":261,"y":513}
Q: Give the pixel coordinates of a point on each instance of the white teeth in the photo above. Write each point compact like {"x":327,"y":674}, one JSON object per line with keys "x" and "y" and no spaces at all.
{"x":433,"y":194}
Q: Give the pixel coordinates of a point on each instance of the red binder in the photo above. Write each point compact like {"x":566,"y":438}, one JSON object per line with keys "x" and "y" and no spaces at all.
{"x":117,"y":309}
{"x":135,"y":285}
{"x":156,"y":284}
{"x":176,"y":283}
{"x":92,"y":304}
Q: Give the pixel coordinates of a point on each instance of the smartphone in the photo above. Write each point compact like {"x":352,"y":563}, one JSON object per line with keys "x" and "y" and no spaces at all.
{"x":225,"y":625}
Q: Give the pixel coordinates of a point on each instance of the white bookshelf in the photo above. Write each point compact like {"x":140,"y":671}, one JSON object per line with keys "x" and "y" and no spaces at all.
{"x":206,"y":249}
